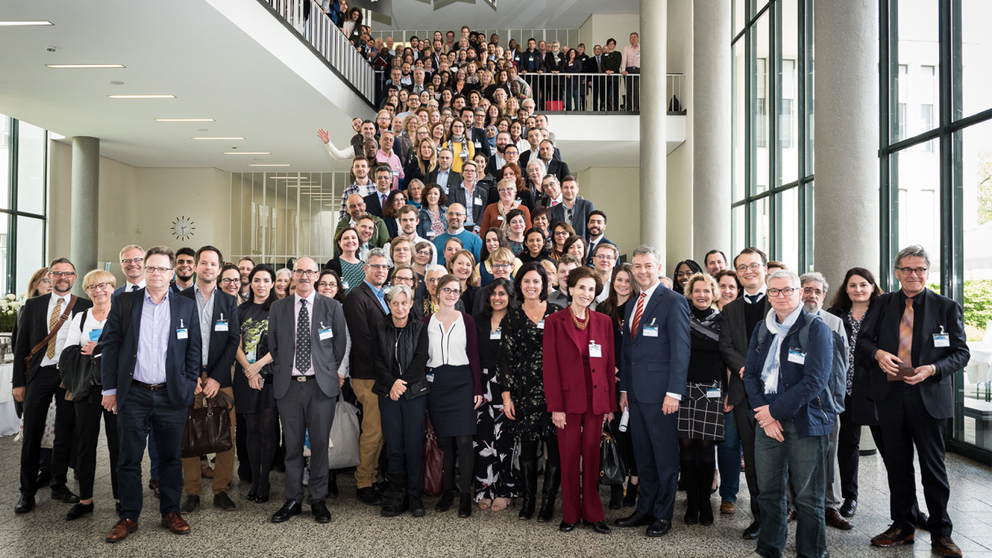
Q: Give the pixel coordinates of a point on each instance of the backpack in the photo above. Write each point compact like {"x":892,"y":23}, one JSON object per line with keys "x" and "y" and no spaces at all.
{"x":837,"y":384}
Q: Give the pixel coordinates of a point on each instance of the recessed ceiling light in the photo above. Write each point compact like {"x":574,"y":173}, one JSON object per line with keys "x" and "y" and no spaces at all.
{"x":24,"y":23}
{"x":247,"y":153}
{"x":265,"y":165}
{"x":116,"y":82}
{"x":82,"y":66}
{"x":219,"y":138}
{"x":184,"y":120}
{"x":141,"y":96}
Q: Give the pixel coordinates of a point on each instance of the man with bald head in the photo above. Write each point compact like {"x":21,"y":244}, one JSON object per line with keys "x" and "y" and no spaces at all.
{"x":356,"y":210}
{"x":307,"y":343}
{"x":455,"y":217}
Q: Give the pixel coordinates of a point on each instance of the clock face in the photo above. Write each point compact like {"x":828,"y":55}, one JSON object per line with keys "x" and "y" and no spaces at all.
{"x":182,"y":228}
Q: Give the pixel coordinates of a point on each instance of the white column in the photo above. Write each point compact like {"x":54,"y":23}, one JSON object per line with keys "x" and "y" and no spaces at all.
{"x":654,"y":54}
{"x":85,"y":199}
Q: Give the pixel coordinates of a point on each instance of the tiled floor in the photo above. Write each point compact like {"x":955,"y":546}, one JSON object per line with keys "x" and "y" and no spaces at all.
{"x":358,"y":530}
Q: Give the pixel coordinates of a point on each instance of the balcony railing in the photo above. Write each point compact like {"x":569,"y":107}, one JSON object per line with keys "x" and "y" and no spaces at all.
{"x":566,"y":37}
{"x":308,"y":20}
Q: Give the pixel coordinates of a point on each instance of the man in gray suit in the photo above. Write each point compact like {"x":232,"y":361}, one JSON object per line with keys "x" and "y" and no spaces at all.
{"x":307,"y":341}
{"x":573,"y":209}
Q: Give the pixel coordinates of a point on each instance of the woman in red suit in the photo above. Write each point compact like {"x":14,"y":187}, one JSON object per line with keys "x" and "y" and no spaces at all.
{"x":579,"y":388}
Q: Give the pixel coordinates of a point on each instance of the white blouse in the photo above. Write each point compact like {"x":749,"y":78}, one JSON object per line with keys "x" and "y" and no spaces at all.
{"x":75,"y":337}
{"x":447,"y":347}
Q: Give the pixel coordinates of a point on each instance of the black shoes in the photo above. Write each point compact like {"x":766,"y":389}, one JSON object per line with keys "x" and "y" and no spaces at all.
{"x":368,"y":495}
{"x":79,"y":510}
{"x":288,"y":510}
{"x":706,"y":513}
{"x":224,"y":502}
{"x":444,"y":504}
{"x":849,"y":508}
{"x":752,"y":531}
{"x":616,"y":497}
{"x":63,"y":494}
{"x":658,"y":528}
{"x":465,"y":505}
{"x":417,"y":507}
{"x":598,"y":526}
{"x":566,"y":527}
{"x":636,"y":519}
{"x":257,"y":498}
{"x":190,"y":504}
{"x":25,"y":504}
{"x":320,"y":512}
{"x":893,"y":536}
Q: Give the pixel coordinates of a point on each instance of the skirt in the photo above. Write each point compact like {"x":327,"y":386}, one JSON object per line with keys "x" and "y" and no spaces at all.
{"x":450,"y":403}
{"x":701,"y":417}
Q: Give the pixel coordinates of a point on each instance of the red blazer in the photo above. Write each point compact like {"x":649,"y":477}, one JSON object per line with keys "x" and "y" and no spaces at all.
{"x":564,"y":373}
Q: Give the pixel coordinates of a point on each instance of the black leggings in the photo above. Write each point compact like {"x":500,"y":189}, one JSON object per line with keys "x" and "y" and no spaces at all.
{"x":466,"y":462}
{"x":262,"y":441}
{"x":528,"y":450}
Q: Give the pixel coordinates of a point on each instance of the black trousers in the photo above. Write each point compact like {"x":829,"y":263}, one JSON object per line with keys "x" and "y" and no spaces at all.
{"x":89,"y":410}
{"x":848,"y":453}
{"x":613,"y":92}
{"x":632,"y":84}
{"x":744,"y":421}
{"x":38,"y":393}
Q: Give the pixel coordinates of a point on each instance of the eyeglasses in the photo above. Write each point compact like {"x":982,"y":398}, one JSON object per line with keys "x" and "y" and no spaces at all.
{"x":561,"y":233}
{"x":431,"y":279}
{"x":609,"y":257}
{"x":230,"y":281}
{"x":782,"y":292}
{"x":323,"y":284}
{"x":456,"y":213}
{"x":304,"y":272}
{"x":157,"y":270}
{"x":378,"y":267}
{"x":61,"y":274}
{"x":502,"y":266}
{"x":98,"y":287}
{"x":507,"y":190}
{"x":423,"y":252}
{"x":46,"y":280}
{"x":403,"y":279}
{"x":448,"y":291}
{"x":753,"y":267}
{"x":130,"y":261}
{"x":812,"y":290}
{"x":909,"y":270}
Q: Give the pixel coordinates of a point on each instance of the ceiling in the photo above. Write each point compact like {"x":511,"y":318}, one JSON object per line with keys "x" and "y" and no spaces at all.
{"x":510,"y":14}
{"x":215,"y":69}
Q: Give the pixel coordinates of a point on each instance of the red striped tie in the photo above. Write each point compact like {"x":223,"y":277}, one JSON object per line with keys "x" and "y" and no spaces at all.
{"x":636,"y":321}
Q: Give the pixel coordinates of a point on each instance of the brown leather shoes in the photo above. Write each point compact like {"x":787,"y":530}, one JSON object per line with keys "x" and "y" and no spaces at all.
{"x":945,"y":547}
{"x":834,"y":519}
{"x":121,"y":530}
{"x":175,"y":523}
{"x":728,"y":508}
{"x":893,"y":536}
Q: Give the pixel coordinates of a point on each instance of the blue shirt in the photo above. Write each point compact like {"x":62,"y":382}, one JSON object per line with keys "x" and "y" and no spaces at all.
{"x":153,"y":340}
{"x":470,"y":241}
{"x":379,"y":294}
{"x":205,"y":309}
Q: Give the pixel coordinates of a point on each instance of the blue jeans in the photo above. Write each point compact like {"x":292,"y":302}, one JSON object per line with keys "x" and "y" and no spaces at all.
{"x":803,"y":460}
{"x":729,"y":460}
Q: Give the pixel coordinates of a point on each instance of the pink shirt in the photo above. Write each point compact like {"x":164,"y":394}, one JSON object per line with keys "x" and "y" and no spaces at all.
{"x":631,"y":57}
{"x":394,"y":163}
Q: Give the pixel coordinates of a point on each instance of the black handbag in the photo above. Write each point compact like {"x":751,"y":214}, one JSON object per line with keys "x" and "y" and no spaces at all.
{"x":208,"y":429}
{"x":612,"y":471}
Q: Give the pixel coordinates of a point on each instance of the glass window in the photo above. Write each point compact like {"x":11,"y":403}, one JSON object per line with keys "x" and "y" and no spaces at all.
{"x":738,"y":17}
{"x":739,"y":236}
{"x":975,"y":53}
{"x":759,"y":111}
{"x":917,"y":180}
{"x":916,"y":45}
{"x":739,"y":114}
{"x":31,"y":163}
{"x":31,"y":250}
{"x":5,"y":287}
{"x":5,"y":124}
{"x":761,"y":225}
{"x":788,"y":230}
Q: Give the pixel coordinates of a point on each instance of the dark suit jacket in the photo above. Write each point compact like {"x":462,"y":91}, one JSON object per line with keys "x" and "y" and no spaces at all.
{"x":589,"y":259}
{"x":454,"y":179}
{"x":590,"y":66}
{"x":734,"y":342}
{"x":325,"y":355}
{"x":531,"y":61}
{"x":559,"y":169}
{"x":655,"y":366}
{"x":32,"y":327}
{"x":223,"y":344}
{"x":480,"y":140}
{"x":491,"y":165}
{"x":478,"y":208}
{"x":580,"y":214}
{"x":525,"y":158}
{"x":182,"y":360}
{"x":362,"y":312}
{"x":880,"y":330}
{"x":564,"y":371}
{"x":373,"y":205}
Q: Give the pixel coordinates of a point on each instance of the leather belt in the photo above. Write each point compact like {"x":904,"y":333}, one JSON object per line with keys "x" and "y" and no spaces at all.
{"x":304,"y":378}
{"x":149,"y":387}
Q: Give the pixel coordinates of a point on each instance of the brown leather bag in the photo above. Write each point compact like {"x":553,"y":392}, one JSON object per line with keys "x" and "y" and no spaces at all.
{"x":55,"y":331}
{"x":433,"y":462}
{"x":208,"y":429}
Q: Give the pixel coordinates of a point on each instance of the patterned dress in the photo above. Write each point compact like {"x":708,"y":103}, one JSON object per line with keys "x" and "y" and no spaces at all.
{"x":493,"y":442}
{"x":352,"y":275}
{"x":522,"y":374}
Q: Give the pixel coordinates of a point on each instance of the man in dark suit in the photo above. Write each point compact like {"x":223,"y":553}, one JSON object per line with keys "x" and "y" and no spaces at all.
{"x":307,"y":342}
{"x":652,"y":382}
{"x":595,"y":232}
{"x":220,"y":334}
{"x":383,"y":184}
{"x":574,"y":209}
{"x":151,"y":362}
{"x":594,"y":65}
{"x":915,"y":341}
{"x":35,"y":385}
{"x":470,"y":194}
{"x":611,"y":67}
{"x":132,"y":259}
{"x":364,"y":308}
{"x":444,"y":174}
{"x":740,"y":317}
{"x":477,"y":131}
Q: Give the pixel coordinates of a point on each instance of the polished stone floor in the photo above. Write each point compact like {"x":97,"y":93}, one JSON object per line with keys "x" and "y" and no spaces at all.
{"x":358,"y":530}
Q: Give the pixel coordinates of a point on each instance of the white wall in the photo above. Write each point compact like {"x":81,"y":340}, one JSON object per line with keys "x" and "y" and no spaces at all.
{"x":615,"y":191}
{"x":679,"y":219}
{"x":600,"y":27}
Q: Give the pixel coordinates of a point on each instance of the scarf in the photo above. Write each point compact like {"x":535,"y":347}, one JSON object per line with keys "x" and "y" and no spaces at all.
{"x":504,"y":222}
{"x":770,"y":372}
{"x":703,"y":323}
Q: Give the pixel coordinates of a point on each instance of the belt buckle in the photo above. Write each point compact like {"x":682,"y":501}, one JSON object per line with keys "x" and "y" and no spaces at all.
{"x":301,"y":378}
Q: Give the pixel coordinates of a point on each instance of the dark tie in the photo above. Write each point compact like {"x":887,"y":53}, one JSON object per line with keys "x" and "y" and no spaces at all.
{"x":905,"y":351}
{"x":599,"y":64}
{"x":384,"y":201}
{"x":303,"y":338}
{"x":753,"y":299}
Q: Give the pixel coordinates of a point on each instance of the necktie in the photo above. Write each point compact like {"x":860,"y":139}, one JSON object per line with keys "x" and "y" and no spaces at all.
{"x":753,"y":299}
{"x":554,"y":203}
{"x":905,"y":351}
{"x":599,"y":63}
{"x":52,"y":320}
{"x":636,"y":321}
{"x":384,"y":201}
{"x":303,"y":338}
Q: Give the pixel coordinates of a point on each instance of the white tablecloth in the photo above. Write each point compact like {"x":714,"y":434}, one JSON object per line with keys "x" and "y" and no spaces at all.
{"x":979,"y":368}
{"x":9,"y":423}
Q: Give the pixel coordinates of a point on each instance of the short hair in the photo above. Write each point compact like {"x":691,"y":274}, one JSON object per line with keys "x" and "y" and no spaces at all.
{"x":540,"y":211}
{"x":711,"y":252}
{"x":209,"y":248}
{"x":452,"y":239}
{"x":572,"y":241}
{"x":814,"y":277}
{"x":596,"y":212}
{"x":502,"y":255}
{"x":421,"y":245}
{"x":366,"y":217}
{"x":524,"y":270}
{"x":187,"y":251}
{"x":228,"y":267}
{"x":606,"y":245}
{"x":383,"y":168}
{"x":128,"y":248}
{"x":540,"y":165}
{"x":375,"y":253}
{"x":397,"y":290}
{"x":912,"y":251}
{"x":786,"y":274}
{"x":434,"y":269}
{"x":161,"y":251}
{"x":61,"y":261}
{"x":774,"y":263}
{"x":568,"y":259}
{"x":535,"y":230}
{"x":442,"y":198}
{"x":645,"y":250}
{"x":579,"y":273}
{"x":706,"y":278}
{"x":407,"y":209}
{"x":99,"y":276}
{"x":515,"y":212}
{"x":570,"y":178}
{"x":611,"y":40}
{"x":752,"y":250}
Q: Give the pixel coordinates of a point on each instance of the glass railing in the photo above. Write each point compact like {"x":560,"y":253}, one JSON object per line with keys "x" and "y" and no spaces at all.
{"x":308,"y":20}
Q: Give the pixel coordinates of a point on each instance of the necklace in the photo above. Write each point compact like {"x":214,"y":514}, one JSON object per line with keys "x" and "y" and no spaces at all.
{"x":530,"y":317}
{"x":580,"y":325}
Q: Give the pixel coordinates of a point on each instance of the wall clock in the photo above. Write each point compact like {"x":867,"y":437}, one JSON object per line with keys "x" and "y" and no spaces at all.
{"x":182,"y":228}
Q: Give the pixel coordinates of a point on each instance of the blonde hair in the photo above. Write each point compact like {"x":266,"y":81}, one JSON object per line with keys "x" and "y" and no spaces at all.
{"x":99,"y":276}
{"x":130,"y":247}
{"x":706,"y":278}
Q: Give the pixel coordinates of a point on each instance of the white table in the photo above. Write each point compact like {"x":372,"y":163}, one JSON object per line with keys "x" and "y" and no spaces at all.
{"x":979,"y":367}
{"x":9,"y":423}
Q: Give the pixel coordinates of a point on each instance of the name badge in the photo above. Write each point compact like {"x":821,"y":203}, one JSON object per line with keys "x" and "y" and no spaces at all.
{"x":540,"y":324}
{"x":941,"y":339}
{"x":595,"y":351}
{"x":181,"y":333}
{"x":324,"y":333}
{"x":713,"y":393}
{"x":95,"y":334}
{"x":496,"y":335}
{"x":345,"y":285}
{"x":650,"y":331}
{"x":430,"y":378}
{"x":478,"y":201}
{"x":796,"y":356}
{"x":221,"y":324}
{"x":499,"y":217}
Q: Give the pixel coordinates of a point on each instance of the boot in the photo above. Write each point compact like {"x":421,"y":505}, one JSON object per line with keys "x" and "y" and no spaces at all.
{"x":395,"y":500}
{"x":616,"y":496}
{"x":552,"y":481}
{"x":630,"y":497}
{"x":528,"y":488}
{"x":703,"y":500}
{"x":465,"y":505}
{"x":691,"y":483}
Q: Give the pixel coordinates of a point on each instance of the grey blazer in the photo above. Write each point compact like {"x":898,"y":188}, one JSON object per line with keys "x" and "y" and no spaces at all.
{"x":580,"y":215}
{"x":325,"y":354}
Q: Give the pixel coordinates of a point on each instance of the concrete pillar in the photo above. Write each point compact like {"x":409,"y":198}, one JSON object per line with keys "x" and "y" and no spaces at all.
{"x":846,"y":213}
{"x":654,"y":54}
{"x":710,"y":113}
{"x":85,"y":206}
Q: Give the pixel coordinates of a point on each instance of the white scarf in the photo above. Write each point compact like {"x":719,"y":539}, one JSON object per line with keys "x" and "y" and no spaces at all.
{"x":770,"y":372}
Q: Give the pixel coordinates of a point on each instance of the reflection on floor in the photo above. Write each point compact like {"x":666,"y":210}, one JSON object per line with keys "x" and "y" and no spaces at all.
{"x":358,"y":530}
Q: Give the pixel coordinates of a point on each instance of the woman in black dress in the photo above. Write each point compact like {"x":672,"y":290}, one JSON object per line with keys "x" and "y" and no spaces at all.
{"x":522,"y":379}
{"x":253,"y":395}
{"x":494,"y":480}
{"x":456,"y":390}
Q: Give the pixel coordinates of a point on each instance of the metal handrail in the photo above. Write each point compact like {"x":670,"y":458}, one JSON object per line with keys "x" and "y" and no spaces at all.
{"x":568,"y":37}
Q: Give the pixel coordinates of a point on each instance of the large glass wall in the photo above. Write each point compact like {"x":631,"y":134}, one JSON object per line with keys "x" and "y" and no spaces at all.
{"x":23,"y":203}
{"x":936,"y":119}
{"x":772,"y":111}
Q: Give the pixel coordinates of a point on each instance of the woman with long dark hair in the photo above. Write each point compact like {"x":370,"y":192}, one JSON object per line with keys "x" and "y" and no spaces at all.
{"x":683,"y":271}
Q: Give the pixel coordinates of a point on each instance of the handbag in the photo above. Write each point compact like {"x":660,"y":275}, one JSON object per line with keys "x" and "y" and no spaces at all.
{"x":342,"y":452}
{"x":611,"y":468}
{"x":208,"y":429}
{"x":433,"y":462}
